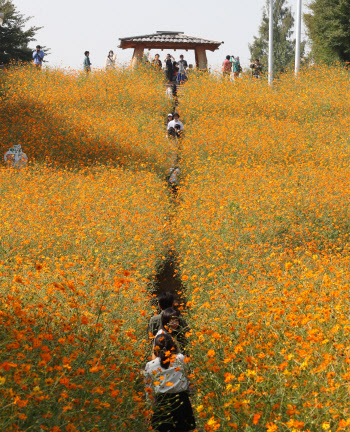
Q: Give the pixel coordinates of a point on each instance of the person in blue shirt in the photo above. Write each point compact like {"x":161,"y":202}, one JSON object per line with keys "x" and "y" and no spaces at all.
{"x":38,"y":57}
{"x":87,"y":62}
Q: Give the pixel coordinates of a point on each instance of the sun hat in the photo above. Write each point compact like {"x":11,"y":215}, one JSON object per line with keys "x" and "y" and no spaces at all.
{"x":170,"y":115}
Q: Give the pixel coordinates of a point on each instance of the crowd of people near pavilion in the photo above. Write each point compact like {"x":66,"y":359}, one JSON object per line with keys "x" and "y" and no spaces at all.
{"x":175,"y":71}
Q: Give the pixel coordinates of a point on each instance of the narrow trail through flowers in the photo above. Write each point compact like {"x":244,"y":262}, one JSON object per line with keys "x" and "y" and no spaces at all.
{"x":167,"y":277}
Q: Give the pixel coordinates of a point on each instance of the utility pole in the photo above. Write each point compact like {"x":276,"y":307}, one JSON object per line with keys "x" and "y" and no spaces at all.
{"x":298,"y":38}
{"x":271,"y":44}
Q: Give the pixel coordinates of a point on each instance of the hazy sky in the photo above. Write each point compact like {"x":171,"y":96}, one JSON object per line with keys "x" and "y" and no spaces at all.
{"x":71,"y":27}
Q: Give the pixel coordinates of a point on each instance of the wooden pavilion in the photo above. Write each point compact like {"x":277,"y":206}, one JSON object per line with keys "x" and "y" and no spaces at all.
{"x":170,"y":40}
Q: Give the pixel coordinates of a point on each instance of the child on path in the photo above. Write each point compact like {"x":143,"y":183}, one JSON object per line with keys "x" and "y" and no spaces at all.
{"x":167,"y":385}
{"x":178,"y":131}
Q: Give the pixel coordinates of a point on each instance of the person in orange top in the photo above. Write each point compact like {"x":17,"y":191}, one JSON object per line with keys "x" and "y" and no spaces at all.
{"x":226,"y":67}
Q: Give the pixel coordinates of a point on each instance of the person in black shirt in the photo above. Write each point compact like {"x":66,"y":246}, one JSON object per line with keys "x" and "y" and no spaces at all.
{"x":256,"y":68}
{"x":169,"y":69}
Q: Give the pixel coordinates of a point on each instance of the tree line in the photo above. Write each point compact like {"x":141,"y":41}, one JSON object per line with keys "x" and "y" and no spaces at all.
{"x":327,"y":28}
{"x":14,"y":37}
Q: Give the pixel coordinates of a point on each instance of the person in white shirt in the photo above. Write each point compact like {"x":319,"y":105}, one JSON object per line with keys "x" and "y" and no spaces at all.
{"x":167,"y":385}
{"x":176,"y":121}
{"x":110,"y":60}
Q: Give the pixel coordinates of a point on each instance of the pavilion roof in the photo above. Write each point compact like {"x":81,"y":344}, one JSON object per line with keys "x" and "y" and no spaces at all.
{"x":168,"y":40}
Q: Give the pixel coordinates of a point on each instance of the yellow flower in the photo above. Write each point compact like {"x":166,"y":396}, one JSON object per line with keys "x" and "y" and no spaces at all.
{"x":200,"y":408}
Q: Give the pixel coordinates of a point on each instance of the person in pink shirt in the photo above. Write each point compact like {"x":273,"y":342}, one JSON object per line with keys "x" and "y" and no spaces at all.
{"x":226,"y":67}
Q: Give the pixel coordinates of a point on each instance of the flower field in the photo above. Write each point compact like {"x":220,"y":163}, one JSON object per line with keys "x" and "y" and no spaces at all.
{"x":69,"y":119}
{"x":262,"y":233}
{"x":260,"y":229}
{"x":80,"y":244}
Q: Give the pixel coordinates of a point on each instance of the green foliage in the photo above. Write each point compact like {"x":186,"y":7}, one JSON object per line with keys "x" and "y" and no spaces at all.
{"x":283,"y":48}
{"x":14,"y":39}
{"x":329,"y":30}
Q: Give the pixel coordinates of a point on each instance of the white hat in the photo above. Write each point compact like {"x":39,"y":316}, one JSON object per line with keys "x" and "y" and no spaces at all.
{"x":170,"y":115}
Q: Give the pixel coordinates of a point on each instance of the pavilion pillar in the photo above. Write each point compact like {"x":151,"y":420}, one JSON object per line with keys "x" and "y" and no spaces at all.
{"x":196,"y":58}
{"x":137,"y":56}
{"x":201,"y":58}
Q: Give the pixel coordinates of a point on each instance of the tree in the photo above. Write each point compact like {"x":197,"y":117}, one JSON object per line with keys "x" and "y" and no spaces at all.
{"x":14,"y":39}
{"x":283,"y":44}
{"x":328,"y":28}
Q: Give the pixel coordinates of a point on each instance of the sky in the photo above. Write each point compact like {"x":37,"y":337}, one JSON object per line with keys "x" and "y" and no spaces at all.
{"x":71,"y":27}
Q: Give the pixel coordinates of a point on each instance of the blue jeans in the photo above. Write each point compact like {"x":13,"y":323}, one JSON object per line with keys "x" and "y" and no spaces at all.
{"x":181,"y":77}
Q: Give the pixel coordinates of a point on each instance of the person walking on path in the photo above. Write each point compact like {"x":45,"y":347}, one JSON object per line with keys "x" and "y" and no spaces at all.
{"x":175,"y":122}
{"x":226,"y":67}
{"x":87,"y":62}
{"x":173,"y":180}
{"x":168,"y":387}
{"x":38,"y":57}
{"x":110,"y":60}
{"x":170,"y":323}
{"x":165,"y":301}
{"x":256,"y":68}
{"x":169,"y":68}
{"x":181,"y":76}
{"x":236,"y":67}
